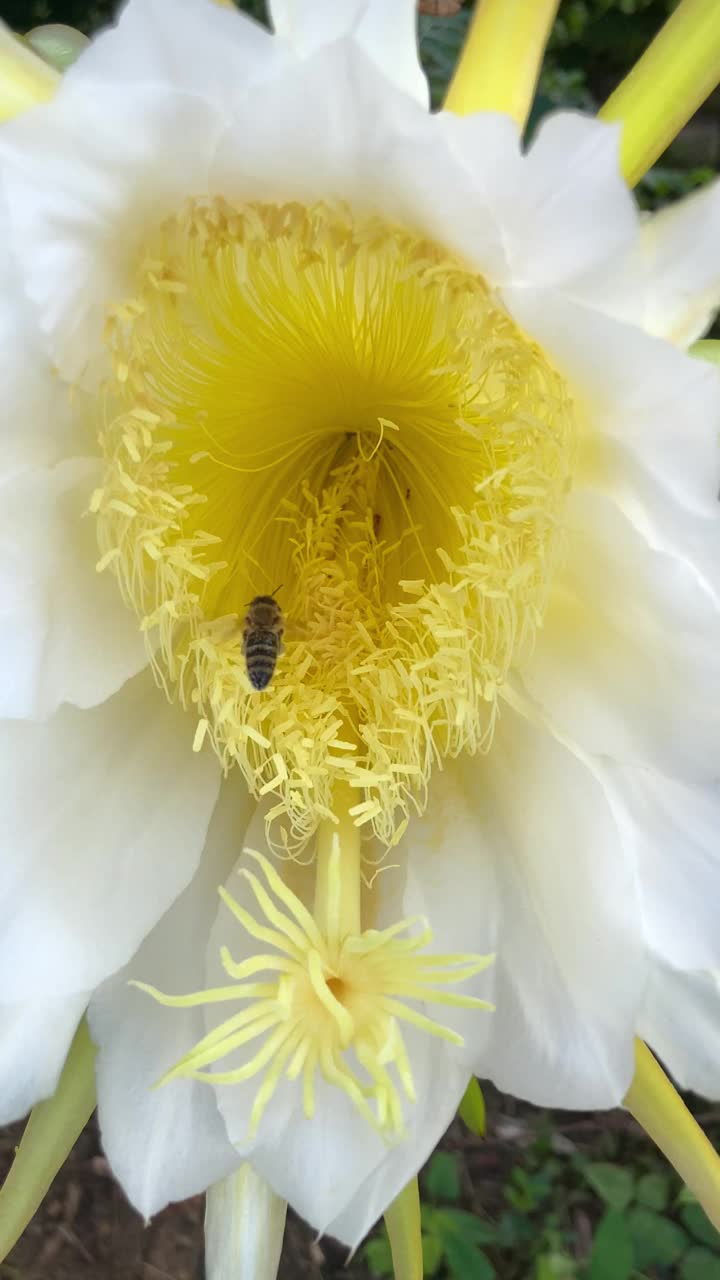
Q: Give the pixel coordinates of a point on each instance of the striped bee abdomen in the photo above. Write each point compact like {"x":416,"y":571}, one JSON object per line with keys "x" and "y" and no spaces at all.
{"x":262,"y":640}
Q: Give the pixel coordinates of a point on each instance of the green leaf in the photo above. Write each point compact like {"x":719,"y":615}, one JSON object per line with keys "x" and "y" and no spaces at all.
{"x":700,"y":1264}
{"x":656,"y":1240}
{"x":555,"y":1266}
{"x":465,"y":1262}
{"x":458,"y":1222}
{"x":612,"y":1255}
{"x":699,"y":1225}
{"x":378,"y":1256}
{"x":614,"y":1184}
{"x":432,"y":1252}
{"x":653,"y":1190}
{"x":442,"y":1177}
{"x":513,"y":1229}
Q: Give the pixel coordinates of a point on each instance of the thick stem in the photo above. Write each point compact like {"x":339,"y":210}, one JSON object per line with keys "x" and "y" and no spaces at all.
{"x":672,"y":79}
{"x":48,"y":1138}
{"x":402,"y":1220}
{"x":658,"y":1107}
{"x":25,"y":79}
{"x":500,"y":64}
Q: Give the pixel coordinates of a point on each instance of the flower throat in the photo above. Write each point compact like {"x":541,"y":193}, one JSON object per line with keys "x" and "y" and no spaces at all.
{"x":304,"y":397}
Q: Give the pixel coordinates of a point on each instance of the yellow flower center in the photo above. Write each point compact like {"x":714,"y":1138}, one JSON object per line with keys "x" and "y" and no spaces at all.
{"x":330,"y":409}
{"x":327,"y":988}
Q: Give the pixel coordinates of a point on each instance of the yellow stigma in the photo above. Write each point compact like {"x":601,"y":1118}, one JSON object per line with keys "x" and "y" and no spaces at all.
{"x":306,"y":397}
{"x":325,"y":996}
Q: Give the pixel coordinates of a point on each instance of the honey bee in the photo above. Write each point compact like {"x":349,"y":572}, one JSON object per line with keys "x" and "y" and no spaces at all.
{"x":262,"y":639}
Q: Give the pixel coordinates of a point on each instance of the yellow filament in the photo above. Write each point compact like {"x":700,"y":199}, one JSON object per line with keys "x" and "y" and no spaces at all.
{"x":501,"y":60}
{"x":658,"y":1107}
{"x":307,"y":397}
{"x":666,"y":86}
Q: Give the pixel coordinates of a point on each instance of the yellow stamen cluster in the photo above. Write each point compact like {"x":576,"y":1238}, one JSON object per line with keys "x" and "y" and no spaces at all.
{"x":324,"y":994}
{"x":308,"y":398}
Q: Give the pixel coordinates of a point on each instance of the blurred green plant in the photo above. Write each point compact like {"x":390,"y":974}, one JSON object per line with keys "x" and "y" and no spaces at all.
{"x":647,"y":1226}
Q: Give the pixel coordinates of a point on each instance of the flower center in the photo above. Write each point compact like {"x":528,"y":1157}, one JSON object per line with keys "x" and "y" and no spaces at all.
{"x":327,"y":990}
{"x":330,"y":410}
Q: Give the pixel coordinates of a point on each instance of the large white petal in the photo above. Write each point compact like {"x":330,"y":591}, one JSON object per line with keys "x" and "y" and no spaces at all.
{"x":661,"y":404}
{"x":66,"y":635}
{"x":681,"y":1023}
{"x":168,"y":1143}
{"x":81,"y":202}
{"x":195,"y":46}
{"x":104,"y":814}
{"x":562,"y":209}
{"x":385,"y":1183}
{"x":681,"y":255}
{"x":34,"y":1040}
{"x":325,"y":1166}
{"x":557,"y":885}
{"x":665,"y":523}
{"x":673,"y":830}
{"x":387,"y":32}
{"x":333,"y":127}
{"x":628,"y":660}
{"x":39,"y":424}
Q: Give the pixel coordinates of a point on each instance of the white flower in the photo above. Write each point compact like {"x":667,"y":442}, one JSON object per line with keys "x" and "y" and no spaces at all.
{"x":266,"y":320}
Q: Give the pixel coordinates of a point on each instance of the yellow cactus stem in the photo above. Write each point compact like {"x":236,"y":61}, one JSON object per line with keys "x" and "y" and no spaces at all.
{"x":706,"y":349}
{"x":472,"y":1109}
{"x":658,"y":1107}
{"x":244,"y":1228}
{"x":667,"y":85}
{"x":25,"y":79}
{"x":57,"y":44}
{"x":49,"y":1135}
{"x":325,"y":994}
{"x":501,"y":61}
{"x":402,"y":1220}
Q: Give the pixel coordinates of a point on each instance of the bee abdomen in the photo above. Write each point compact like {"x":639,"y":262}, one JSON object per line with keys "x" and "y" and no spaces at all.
{"x":261,"y":654}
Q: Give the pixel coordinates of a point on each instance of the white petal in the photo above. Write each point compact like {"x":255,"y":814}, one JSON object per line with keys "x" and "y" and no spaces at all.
{"x":244,"y":1227}
{"x":561,"y":209}
{"x":81,"y":201}
{"x":673,"y":829}
{"x":628,"y":659}
{"x":39,"y":425}
{"x":333,"y":127}
{"x":386,"y":32}
{"x":34,"y":1040}
{"x":66,"y":635}
{"x":681,"y":1023}
{"x":556,"y":884}
{"x":385,"y":1183}
{"x":168,"y":1143}
{"x":662,"y":405}
{"x":195,"y":46}
{"x":576,"y":208}
{"x":327,"y":1167}
{"x":681,"y":253}
{"x":104,"y":814}
{"x":665,"y":524}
